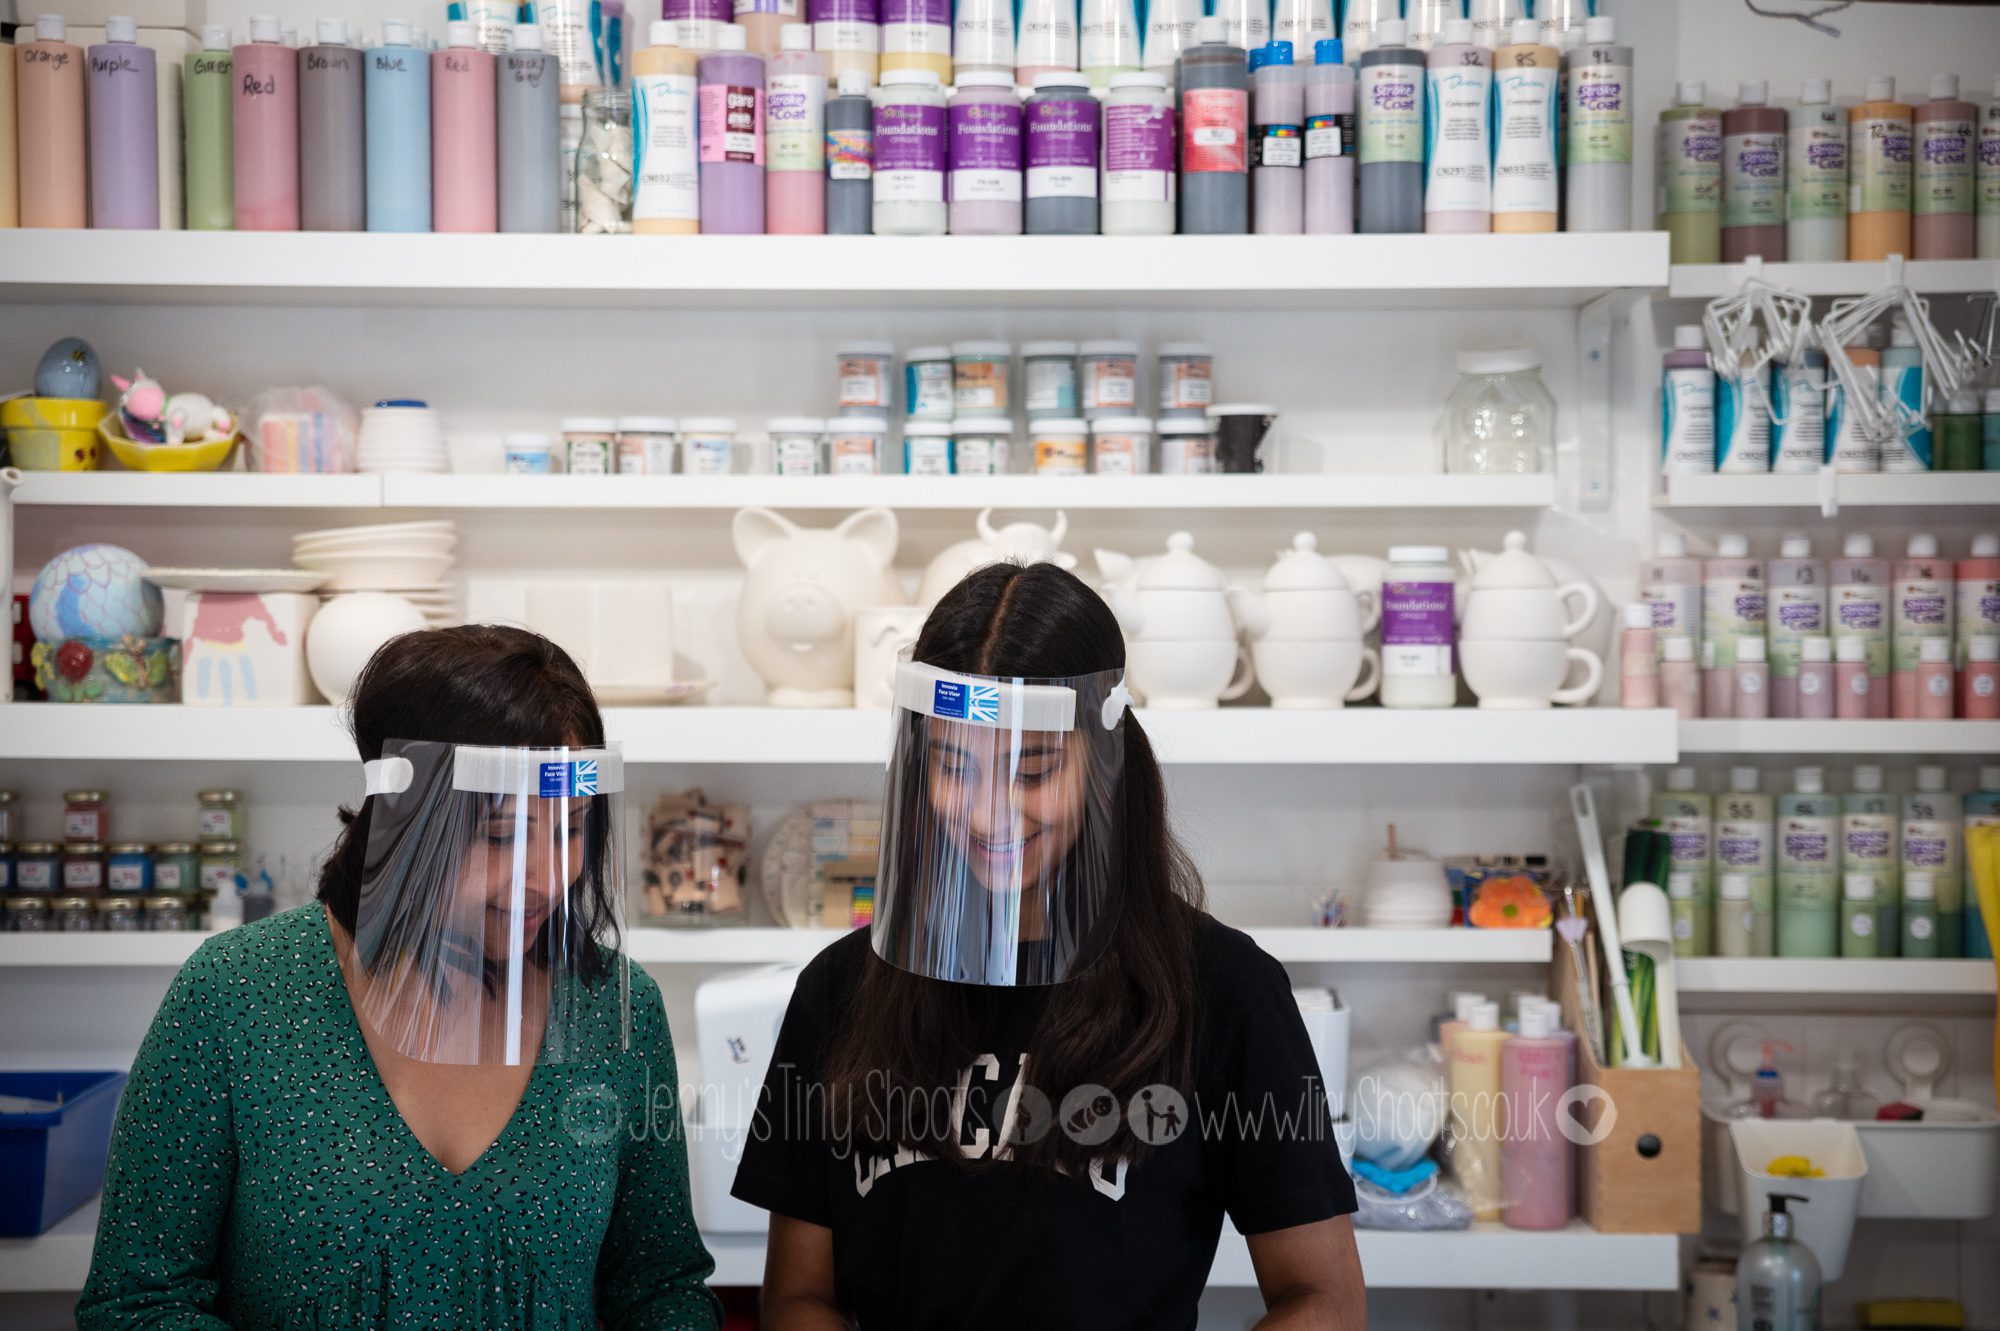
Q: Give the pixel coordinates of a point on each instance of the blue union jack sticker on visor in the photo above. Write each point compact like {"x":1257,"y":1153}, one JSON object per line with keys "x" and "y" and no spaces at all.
{"x":966,"y":701}
{"x":563,"y":780}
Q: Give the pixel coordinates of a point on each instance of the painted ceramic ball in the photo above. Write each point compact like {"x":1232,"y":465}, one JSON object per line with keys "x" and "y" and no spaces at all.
{"x":94,"y":591}
{"x":69,"y":369}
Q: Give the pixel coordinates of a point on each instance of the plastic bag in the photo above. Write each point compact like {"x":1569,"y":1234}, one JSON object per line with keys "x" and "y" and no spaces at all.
{"x":1428,"y":1203}
{"x":310,"y":429}
{"x":1400,"y":1108}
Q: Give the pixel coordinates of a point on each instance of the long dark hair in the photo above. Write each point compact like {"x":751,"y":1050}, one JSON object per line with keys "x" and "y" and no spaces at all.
{"x":1127,"y":1021}
{"x":479,"y":684}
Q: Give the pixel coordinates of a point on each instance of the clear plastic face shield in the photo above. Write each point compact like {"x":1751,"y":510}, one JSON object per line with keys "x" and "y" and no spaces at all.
{"x":1001,"y":826}
{"x":491,"y":898}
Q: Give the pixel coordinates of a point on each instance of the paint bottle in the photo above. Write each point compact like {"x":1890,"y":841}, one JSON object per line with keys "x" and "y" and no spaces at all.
{"x":764,"y":23}
{"x":1910,"y":448}
{"x":465,"y":188}
{"x":1879,"y":143}
{"x":982,"y":37}
{"x":909,"y":155}
{"x":1944,"y":194}
{"x":1977,"y":601}
{"x":1170,"y":32}
{"x":1987,"y":179}
{"x":1850,"y":448}
{"x":1458,"y":135}
{"x":1797,"y":611}
{"x":1417,"y":626}
{"x":916,"y":34}
{"x":666,"y":170}
{"x":1215,"y":129}
{"x":1390,"y":93}
{"x":1860,"y":916}
{"x":1537,"y":1069}
{"x":1798,"y":410}
{"x":1060,"y":136}
{"x":1046,"y":39}
{"x":1921,"y":603}
{"x":795,"y":137}
{"x":1979,"y":681}
{"x":1246,"y":22}
{"x":1670,"y":582}
{"x":1597,"y":105}
{"x":1752,"y":683}
{"x":699,"y":24}
{"x":1329,"y":142}
{"x":1735,"y":917}
{"x":1934,"y":843}
{"x":1743,"y":836}
{"x":1138,"y":156}
{"x":1860,"y":609}
{"x":332,"y":153}
{"x":265,"y":121}
{"x":1680,"y":905}
{"x":1638,"y":659}
{"x":1680,"y":678}
{"x":1277,"y":157}
{"x":1733,"y":603}
{"x":1305,"y":24}
{"x":1493,"y":23}
{"x":1753,"y":176}
{"x":578,"y":36}
{"x":730,"y":145}
{"x":1920,"y":917}
{"x":1687,"y":406}
{"x":984,"y":155}
{"x":208,"y":78}
{"x":1816,"y":177}
{"x":51,"y":157}
{"x":10,"y":142}
{"x":1808,"y":869}
{"x":1935,"y":680}
{"x":1815,"y":681}
{"x":1475,"y":1054}
{"x":1526,"y":186}
{"x":396,"y":92}
{"x":1743,"y":424}
{"x":848,"y":34}
{"x":122,"y":79}
{"x":1110,"y":40}
{"x":1989,"y":432}
{"x":1687,"y":816}
{"x":1851,"y":682}
{"x":1871,"y":832}
{"x":850,"y":158}
{"x":526,"y":127}
{"x":1956,"y":430}
{"x":1690,"y":167}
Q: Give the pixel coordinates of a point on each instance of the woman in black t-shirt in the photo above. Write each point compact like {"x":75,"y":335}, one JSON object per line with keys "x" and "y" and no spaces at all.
{"x":1029,"y":1093}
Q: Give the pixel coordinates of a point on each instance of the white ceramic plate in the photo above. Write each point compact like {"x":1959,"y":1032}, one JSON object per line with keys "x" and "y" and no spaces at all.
{"x":647,"y":695}
{"x":237,"y":579}
{"x":440,"y":525}
{"x":372,"y":572}
{"x":399,"y":549}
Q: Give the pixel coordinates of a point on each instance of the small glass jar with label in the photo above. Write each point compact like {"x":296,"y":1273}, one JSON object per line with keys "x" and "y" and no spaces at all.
{"x":646,"y":445}
{"x":38,"y":867}
{"x":1121,"y":445}
{"x":864,"y":371}
{"x":6,"y":867}
{"x":86,"y":816}
{"x":1108,"y":384}
{"x":528,"y":453}
{"x":129,"y":868}
{"x":708,"y":446}
{"x":1187,"y":377}
{"x":854,"y":445}
{"x":979,"y":377}
{"x":927,"y":448}
{"x":1061,"y":447}
{"x":120,"y":915}
{"x":166,"y":914}
{"x":83,"y":868}
{"x":982,"y":445}
{"x":928,"y":392}
{"x":176,"y":867}
{"x":1187,"y":446}
{"x":9,"y":802}
{"x":72,"y":915}
{"x":798,"y":446}
{"x":221,"y":866}
{"x":27,"y":915}
{"x":587,"y":444}
{"x":221,"y":816}
{"x":1048,"y":372}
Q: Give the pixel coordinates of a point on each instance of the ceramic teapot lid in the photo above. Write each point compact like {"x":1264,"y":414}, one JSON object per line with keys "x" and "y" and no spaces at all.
{"x":1513,"y":567}
{"x":1304,"y":569}
{"x":1180,"y":569}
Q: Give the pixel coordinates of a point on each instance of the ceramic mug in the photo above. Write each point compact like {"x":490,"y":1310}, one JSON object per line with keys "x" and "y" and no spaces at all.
{"x":1305,"y":676}
{"x":1188,"y":676}
{"x":881,"y":634}
{"x":1521,"y":613}
{"x":1515,"y":674}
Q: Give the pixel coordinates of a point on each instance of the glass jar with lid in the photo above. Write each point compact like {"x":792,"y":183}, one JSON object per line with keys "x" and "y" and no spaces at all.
{"x":166,"y":914}
{"x":9,"y":802}
{"x":37,"y":867}
{"x":6,"y":867}
{"x":176,"y":867}
{"x":83,"y":868}
{"x":221,"y":866}
{"x":28,"y":915}
{"x":221,"y":817}
{"x":120,"y":915}
{"x":72,"y":915}
{"x":129,"y":868}
{"x":1500,"y":419}
{"x":86,"y":816}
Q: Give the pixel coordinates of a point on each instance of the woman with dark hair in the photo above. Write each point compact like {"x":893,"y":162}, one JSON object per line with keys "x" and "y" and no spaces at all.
{"x":1029,"y":1092}
{"x":439,"y":1096}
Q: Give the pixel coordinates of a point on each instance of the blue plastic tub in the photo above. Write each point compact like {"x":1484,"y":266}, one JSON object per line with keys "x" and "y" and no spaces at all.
{"x":52,"y":1163}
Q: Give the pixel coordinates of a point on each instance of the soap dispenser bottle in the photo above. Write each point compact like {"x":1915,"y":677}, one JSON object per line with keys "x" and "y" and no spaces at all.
{"x":1777,"y":1277}
{"x":1845,"y":1099}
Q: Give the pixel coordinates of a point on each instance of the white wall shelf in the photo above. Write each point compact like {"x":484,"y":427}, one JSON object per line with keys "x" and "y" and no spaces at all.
{"x":1234,"y":736}
{"x":202,"y":490}
{"x":1837,"y":977}
{"x":1706,"y":281}
{"x":1563,"y":271}
{"x":1954,"y":489}
{"x":1898,"y":737}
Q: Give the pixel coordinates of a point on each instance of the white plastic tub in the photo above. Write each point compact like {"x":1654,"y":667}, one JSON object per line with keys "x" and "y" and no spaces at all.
{"x":1943,"y":1168}
{"x":1825,"y":1222}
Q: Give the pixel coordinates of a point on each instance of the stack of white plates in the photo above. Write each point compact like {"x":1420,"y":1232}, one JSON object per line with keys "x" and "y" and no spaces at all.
{"x":401,"y":438}
{"x":409,"y":559}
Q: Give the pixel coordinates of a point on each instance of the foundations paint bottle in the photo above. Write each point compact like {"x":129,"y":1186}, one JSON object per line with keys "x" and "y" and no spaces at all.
{"x":1060,"y":135}
{"x":1139,"y":167}
{"x":266,"y":124}
{"x":1525,"y":180}
{"x":465,"y":190}
{"x":123,"y":83}
{"x":1689,"y":162}
{"x":984,"y":155}
{"x":208,"y":92}
{"x":1944,"y":193}
{"x":527,"y":123}
{"x":51,"y":155}
{"x":1753,"y":177}
{"x":332,"y":155}
{"x":1880,"y":141}
{"x":1816,"y":177}
{"x":396,"y":91}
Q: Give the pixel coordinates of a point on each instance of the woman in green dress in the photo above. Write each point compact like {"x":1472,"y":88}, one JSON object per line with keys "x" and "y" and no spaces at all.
{"x":318,"y":1131}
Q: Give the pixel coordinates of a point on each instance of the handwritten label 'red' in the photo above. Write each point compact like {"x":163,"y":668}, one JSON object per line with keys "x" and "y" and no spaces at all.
{"x":458,"y":64}
{"x":256,"y":87}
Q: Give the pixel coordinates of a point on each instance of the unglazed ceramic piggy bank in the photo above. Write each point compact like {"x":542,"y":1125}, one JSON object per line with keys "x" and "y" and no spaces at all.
{"x":795,"y":618}
{"x":1019,"y":542}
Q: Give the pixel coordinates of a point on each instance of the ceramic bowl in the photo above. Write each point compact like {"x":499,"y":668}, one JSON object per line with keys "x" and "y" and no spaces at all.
{"x":52,"y":433}
{"x":1188,"y":676}
{"x":1518,"y":675}
{"x":376,"y":572}
{"x":207,"y":455}
{"x":1304,"y":676}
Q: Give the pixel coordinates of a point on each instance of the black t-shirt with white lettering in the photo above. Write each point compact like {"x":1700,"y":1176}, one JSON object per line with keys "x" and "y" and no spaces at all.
{"x":922,"y":1243}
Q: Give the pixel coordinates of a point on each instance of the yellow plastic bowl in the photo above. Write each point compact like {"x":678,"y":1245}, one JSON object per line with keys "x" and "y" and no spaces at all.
{"x":52,"y":433}
{"x":204,"y":456}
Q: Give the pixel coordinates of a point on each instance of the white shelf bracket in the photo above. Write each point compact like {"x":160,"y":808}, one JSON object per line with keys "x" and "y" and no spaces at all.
{"x":1592,"y":461}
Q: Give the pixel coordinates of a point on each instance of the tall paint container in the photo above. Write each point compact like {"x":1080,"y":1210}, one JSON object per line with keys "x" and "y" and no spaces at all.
{"x":396,"y":92}
{"x":123,"y":81}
